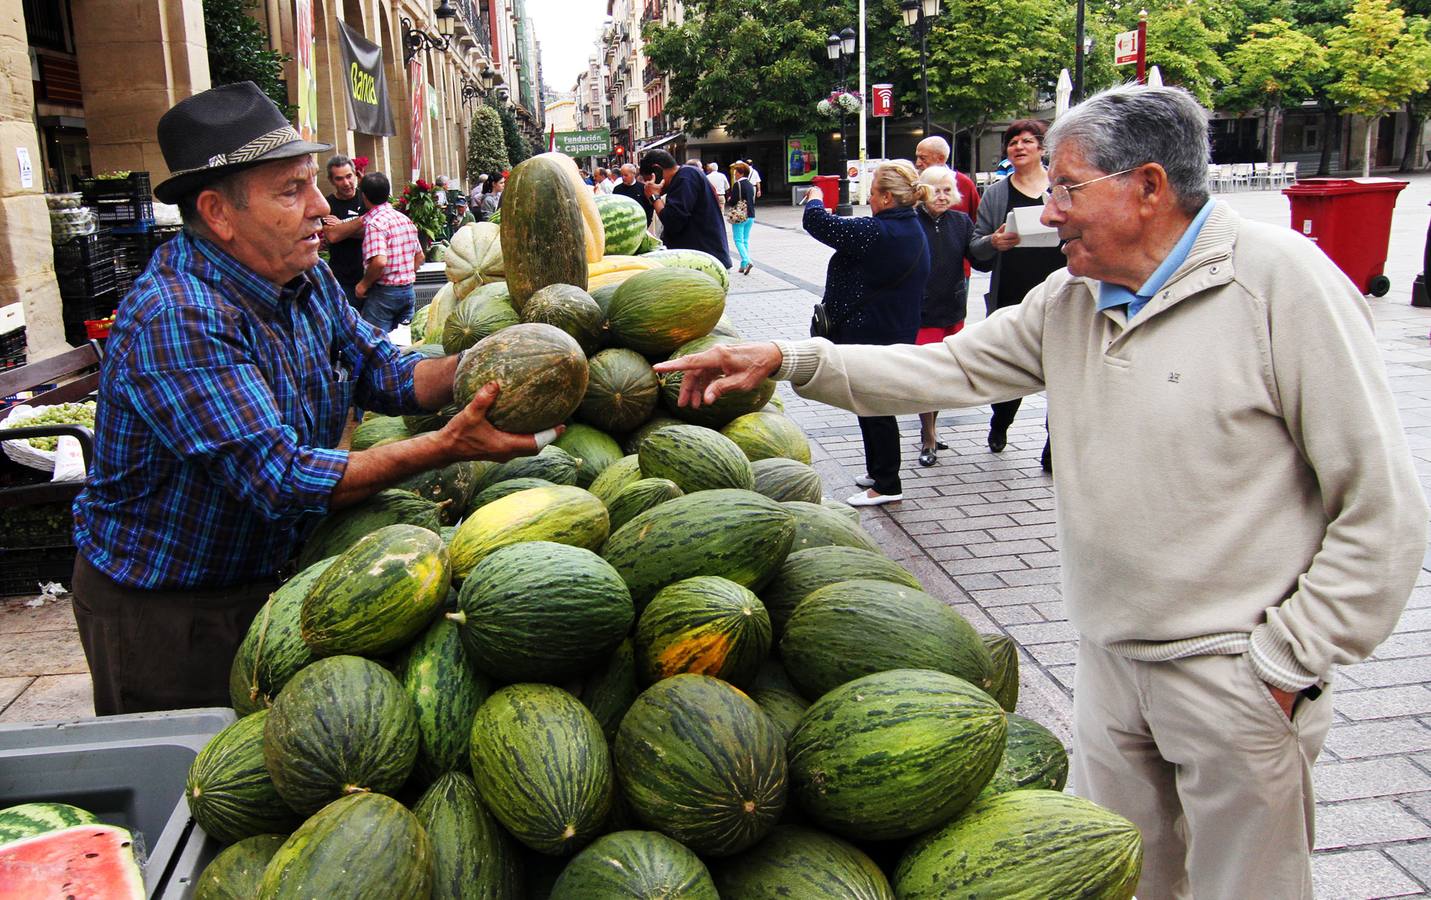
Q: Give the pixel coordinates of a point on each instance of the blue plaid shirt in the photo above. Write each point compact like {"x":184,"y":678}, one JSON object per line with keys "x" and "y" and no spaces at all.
{"x":220,"y":398}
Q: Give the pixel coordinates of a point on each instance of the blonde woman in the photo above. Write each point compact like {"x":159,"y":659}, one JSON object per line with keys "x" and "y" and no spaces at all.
{"x":874,"y":292}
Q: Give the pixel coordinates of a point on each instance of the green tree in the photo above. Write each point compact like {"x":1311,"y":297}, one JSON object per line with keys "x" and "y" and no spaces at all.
{"x":1184,"y":41}
{"x":1275,"y":63}
{"x":486,"y":146}
{"x":516,"y":145}
{"x":1380,"y":60}
{"x":238,"y":51}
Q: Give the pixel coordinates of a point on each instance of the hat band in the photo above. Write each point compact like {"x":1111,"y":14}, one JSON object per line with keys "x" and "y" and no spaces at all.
{"x":251,"y":151}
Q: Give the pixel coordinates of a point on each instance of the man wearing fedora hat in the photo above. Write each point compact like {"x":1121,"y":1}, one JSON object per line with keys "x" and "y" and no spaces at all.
{"x":230,"y":372}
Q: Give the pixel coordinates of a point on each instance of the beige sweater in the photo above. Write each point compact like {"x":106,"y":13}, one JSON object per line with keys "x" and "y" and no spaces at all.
{"x":1232,"y":473}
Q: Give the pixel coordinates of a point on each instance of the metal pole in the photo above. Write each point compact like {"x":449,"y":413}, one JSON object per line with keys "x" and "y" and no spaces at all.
{"x":843,"y":208}
{"x":864,"y":132}
{"x":1078,"y":55}
{"x":1143,"y":47}
{"x":924,"y":65}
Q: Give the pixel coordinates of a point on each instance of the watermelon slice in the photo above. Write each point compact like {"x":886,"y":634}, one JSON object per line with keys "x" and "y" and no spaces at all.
{"x":30,"y":819}
{"x":95,"y":862}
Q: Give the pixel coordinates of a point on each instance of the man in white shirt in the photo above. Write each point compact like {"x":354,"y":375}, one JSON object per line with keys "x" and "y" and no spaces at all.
{"x":719,"y":182}
{"x":604,"y":184}
{"x":754,"y":178}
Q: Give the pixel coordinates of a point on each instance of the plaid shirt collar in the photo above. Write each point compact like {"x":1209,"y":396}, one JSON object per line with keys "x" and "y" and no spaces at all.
{"x":248,"y":283}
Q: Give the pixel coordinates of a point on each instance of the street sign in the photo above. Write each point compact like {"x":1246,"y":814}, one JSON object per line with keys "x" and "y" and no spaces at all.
{"x":584,"y":143}
{"x":1125,"y":48}
{"x":883,"y":95}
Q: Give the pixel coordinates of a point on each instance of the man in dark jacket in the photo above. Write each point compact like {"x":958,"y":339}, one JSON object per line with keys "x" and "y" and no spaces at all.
{"x":686,"y":204}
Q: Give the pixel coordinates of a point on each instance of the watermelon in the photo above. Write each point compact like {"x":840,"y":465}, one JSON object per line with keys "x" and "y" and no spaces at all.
{"x":738,"y":535}
{"x":569,"y":308}
{"x":640,"y":496}
{"x":622,"y":390}
{"x":624,"y":221}
{"x":378,"y":431}
{"x":595,"y":450}
{"x":229,"y":790}
{"x":783,"y":480}
{"x":696,"y":459}
{"x":472,"y":857}
{"x":343,"y":724}
{"x":649,"y":243}
{"x":343,"y":528}
{"x":610,"y":689}
{"x":804,"y":863}
{"x":480,"y":314}
{"x":30,"y":819}
{"x":541,"y":611}
{"x":765,"y":435}
{"x":237,"y":871}
{"x":503,"y":488}
{"x":706,"y":625}
{"x":379,"y":594}
{"x":846,"y":630}
{"x":656,"y":311}
{"x":816,"y":525}
{"x":552,"y":464}
{"x":450,"y":487}
{"x":699,"y":761}
{"x":729,"y":407}
{"x":540,"y":369}
{"x":89,"y":860}
{"x":273,"y":649}
{"x":635,"y":864}
{"x":697,"y":260}
{"x":615,"y":478}
{"x":1033,"y":758}
{"x":445,"y":690}
{"x":562,"y":514}
{"x":806,"y":571}
{"x":894,"y":753}
{"x":633,"y":441}
{"x":545,"y":232}
{"x":418,"y":326}
{"x":540,"y":763}
{"x":1004,"y":675}
{"x":362,"y":846}
{"x":1025,"y":844}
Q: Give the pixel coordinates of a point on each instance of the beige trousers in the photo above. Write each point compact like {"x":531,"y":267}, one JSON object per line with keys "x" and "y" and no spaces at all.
{"x":1199,"y":756}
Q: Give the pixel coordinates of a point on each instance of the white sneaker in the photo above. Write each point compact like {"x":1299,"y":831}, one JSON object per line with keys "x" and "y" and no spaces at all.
{"x":864,"y":499}
{"x":864,"y":481}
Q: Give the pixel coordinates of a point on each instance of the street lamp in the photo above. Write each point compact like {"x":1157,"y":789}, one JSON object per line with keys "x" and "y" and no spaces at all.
{"x":1080,"y":49}
{"x":414,"y":40}
{"x":446,"y":19}
{"x":839,"y":48}
{"x":917,"y":14}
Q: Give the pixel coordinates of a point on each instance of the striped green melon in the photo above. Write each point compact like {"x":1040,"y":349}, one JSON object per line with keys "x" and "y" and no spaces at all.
{"x":783,"y":480}
{"x":635,"y":864}
{"x":765,"y":435}
{"x":699,"y":761}
{"x":419,"y":324}
{"x":379,"y":430}
{"x":30,"y":819}
{"x":804,"y":863}
{"x":229,"y":790}
{"x":625,"y":223}
{"x":816,"y":525}
{"x":615,"y":478}
{"x":341,"y":725}
{"x":696,"y":459}
{"x":697,"y":260}
{"x":432,"y":420}
{"x":480,"y":314}
{"x":1034,"y":758}
{"x":806,"y":571}
{"x":544,"y":232}
{"x":367,"y":843}
{"x":706,"y":625}
{"x":639,"y":496}
{"x":602,"y":295}
{"x":552,"y":464}
{"x":273,"y":649}
{"x":540,"y":369}
{"x":633,"y":441}
{"x":738,"y":535}
{"x":844,"y":509}
{"x":610,"y":689}
{"x":237,"y":871}
{"x":728,"y":407}
{"x":503,"y":488}
{"x":621,"y":392}
{"x":726,"y":328}
{"x":426,"y":350}
{"x":540,"y":762}
{"x":472,"y":857}
{"x":571,"y":309}
{"x":649,"y":243}
{"x":450,"y":487}
{"x":562,"y":514}
{"x":778,"y":696}
{"x":594,"y":448}
{"x":895,"y":753}
{"x":446,"y":690}
{"x":379,"y":594}
{"x":343,"y":528}
{"x":854,"y":628}
{"x":541,"y":611}
{"x":1004,"y":677}
{"x":1025,"y":845}
{"x":658,"y":310}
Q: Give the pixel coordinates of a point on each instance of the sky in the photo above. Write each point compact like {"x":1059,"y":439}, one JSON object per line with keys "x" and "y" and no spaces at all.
{"x":567,"y":30}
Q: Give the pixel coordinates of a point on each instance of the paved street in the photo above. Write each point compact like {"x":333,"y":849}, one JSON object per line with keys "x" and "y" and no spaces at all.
{"x":978,"y":530}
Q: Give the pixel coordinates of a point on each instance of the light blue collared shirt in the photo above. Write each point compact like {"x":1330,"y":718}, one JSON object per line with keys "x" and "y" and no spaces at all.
{"x":1111,"y":295}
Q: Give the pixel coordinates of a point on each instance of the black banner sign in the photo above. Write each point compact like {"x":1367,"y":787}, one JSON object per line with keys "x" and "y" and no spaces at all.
{"x":367,"y":88}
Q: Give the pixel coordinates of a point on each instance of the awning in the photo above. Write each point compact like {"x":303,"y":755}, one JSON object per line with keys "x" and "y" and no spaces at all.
{"x":660,"y":141}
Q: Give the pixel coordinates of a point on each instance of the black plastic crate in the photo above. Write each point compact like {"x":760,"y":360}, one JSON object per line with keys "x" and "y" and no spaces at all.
{"x":86,"y":252}
{"x":37,"y":527}
{"x":135,"y":184}
{"x":81,"y":283}
{"x":134,"y":211}
{"x":97,"y":306}
{"x":22,"y":572}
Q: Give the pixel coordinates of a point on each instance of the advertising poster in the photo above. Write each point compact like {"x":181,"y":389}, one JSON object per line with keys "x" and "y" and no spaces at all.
{"x":803,"y":154}
{"x":366,"y":86}
{"x":577,"y":144}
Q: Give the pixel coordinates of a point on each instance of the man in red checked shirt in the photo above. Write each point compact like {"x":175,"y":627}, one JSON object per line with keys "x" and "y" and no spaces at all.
{"x":391,"y":256}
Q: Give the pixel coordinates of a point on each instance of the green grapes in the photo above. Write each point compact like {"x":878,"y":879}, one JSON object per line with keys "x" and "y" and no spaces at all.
{"x":59,"y":414}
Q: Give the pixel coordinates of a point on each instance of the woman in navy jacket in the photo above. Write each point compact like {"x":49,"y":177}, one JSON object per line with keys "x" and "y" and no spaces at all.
{"x":874,"y":291}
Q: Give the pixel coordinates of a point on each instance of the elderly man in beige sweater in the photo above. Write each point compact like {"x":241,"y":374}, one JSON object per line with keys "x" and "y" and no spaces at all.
{"x":1237,"y":507}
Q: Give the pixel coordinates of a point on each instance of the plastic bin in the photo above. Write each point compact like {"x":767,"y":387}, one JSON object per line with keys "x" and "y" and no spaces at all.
{"x":129,"y":771}
{"x":829,"y":185}
{"x":1350,"y":219}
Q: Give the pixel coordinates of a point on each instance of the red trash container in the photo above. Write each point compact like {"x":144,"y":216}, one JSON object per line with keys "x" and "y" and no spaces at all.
{"x":1350,"y":219}
{"x":829,"y":185}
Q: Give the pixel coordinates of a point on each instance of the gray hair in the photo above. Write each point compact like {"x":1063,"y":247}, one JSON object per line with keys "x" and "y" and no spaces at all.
{"x":1133,"y":124}
{"x":937,"y":175}
{"x":337,"y":161}
{"x":233,"y":187}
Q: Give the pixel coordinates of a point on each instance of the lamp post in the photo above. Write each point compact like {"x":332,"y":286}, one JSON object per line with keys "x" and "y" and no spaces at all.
{"x":839,"y":48}
{"x":414,"y":40}
{"x":917,"y":14}
{"x":1080,"y":49}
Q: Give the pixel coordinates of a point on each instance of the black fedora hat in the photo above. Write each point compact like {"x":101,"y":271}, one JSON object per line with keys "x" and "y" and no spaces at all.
{"x":221,"y":131}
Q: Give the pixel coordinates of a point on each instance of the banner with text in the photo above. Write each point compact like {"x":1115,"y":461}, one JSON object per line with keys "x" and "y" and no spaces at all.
{"x":584,"y":143}
{"x":307,"y":76}
{"x":367,"y":88}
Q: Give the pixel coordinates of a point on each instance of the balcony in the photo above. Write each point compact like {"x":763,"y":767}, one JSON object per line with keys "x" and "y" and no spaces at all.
{"x":634,"y":98}
{"x":650,"y":74}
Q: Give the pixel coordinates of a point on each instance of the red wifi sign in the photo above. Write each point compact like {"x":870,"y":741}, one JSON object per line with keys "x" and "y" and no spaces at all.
{"x":883,"y":95}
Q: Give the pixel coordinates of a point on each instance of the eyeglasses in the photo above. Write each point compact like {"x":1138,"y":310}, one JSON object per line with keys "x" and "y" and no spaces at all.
{"x":1062,"y":194}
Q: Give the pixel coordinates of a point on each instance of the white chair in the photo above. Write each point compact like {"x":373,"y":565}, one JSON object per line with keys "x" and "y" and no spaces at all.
{"x":1224,"y":177}
{"x":1289,"y":172}
{"x":981,"y":179}
{"x":1261,"y":176}
{"x":1212,"y":184}
{"x":1241,"y":175}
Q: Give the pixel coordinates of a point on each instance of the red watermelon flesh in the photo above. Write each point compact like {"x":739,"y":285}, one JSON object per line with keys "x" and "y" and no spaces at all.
{"x":85,"y":862}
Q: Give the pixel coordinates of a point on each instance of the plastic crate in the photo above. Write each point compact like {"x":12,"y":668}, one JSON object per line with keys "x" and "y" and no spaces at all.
{"x":81,"y":283}
{"x":135,"y":184}
{"x":118,"y":213}
{"x":120,"y":202}
{"x":83,"y":309}
{"x":24,"y":571}
{"x":86,"y":252}
{"x":12,"y":348}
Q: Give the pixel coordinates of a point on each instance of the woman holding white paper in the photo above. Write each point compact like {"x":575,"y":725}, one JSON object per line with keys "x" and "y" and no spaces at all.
{"x":1016,"y":270}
